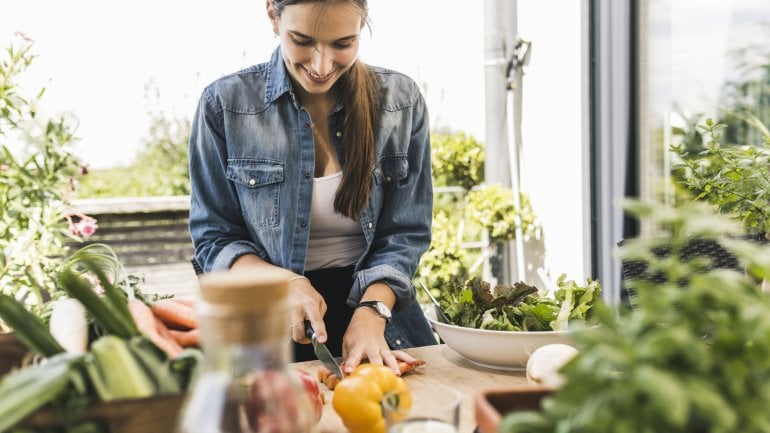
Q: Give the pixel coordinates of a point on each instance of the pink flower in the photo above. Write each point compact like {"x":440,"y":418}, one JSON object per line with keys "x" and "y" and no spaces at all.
{"x":85,"y":227}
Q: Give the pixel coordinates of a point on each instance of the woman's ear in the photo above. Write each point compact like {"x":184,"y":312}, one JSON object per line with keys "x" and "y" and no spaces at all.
{"x":271,"y":14}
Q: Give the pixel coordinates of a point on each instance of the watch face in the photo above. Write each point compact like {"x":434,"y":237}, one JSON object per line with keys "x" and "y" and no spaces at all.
{"x":383,"y":309}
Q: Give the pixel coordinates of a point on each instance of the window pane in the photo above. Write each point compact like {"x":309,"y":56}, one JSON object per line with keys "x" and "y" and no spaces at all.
{"x":700,"y":59}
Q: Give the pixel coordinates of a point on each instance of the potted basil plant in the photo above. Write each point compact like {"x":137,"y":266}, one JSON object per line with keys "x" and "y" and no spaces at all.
{"x":691,"y":358}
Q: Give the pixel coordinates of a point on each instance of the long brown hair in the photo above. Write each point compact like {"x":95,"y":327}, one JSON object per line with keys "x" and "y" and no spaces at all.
{"x":360,"y":90}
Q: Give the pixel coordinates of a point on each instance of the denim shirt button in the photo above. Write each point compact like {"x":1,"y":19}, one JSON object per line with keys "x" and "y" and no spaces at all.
{"x":307,"y":125}
{"x":307,"y":175}
{"x":398,"y":342}
{"x":370,"y":226}
{"x":303,"y":224}
{"x":339,"y":133}
{"x":388,"y":178}
{"x":252,"y":182}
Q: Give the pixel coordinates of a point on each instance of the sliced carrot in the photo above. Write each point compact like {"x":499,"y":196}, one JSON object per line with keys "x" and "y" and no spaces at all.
{"x":405,"y":367}
{"x":326,"y":377}
{"x":191,"y":338}
{"x":331,"y":380}
{"x":175,"y":314}
{"x":149,"y":325}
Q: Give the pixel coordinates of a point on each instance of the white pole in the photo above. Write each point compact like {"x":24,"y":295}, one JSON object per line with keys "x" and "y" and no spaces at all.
{"x":496,"y":164}
{"x":516,"y":55}
{"x":519,"y":58}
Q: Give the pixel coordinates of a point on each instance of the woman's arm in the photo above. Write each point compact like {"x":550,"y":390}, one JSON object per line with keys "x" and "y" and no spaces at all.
{"x":304,"y":300}
{"x":403,"y":233}
{"x":216,"y":225}
{"x":403,"y":227}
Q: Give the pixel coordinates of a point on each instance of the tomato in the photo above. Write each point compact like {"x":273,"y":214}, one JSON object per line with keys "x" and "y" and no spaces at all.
{"x":311,"y":387}
{"x":280,"y":401}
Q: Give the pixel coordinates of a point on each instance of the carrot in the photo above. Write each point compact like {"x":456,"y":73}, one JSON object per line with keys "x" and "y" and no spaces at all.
{"x":326,"y":377}
{"x":147,"y":324}
{"x":405,"y":367}
{"x":142,"y":315}
{"x":191,"y":338}
{"x":175,"y":314}
{"x":165,"y":340}
{"x":185,"y":301}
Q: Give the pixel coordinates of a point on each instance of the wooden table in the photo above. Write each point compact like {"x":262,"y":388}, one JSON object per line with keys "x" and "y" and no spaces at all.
{"x":442,"y":366}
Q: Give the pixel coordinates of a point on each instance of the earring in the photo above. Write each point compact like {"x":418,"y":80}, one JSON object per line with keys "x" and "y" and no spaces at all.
{"x":275,"y":31}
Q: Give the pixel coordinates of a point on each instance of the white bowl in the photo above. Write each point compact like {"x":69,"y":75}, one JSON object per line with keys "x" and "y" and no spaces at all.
{"x":502,"y":350}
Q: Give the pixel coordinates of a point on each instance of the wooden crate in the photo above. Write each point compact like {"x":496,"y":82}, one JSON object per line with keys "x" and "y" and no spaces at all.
{"x":158,"y":414}
{"x":492,"y":405}
{"x":12,"y":352}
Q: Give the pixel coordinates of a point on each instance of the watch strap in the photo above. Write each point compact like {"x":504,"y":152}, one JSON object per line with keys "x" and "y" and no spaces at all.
{"x":372,"y":306}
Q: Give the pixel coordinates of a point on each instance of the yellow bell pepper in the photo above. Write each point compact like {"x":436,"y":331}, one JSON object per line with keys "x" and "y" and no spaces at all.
{"x":358,"y":397}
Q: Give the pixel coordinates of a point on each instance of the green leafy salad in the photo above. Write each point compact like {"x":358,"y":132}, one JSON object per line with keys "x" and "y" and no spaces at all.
{"x":520,"y":307}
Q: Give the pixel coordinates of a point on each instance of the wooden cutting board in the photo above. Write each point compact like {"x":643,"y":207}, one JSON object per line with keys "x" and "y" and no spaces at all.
{"x":443,"y":366}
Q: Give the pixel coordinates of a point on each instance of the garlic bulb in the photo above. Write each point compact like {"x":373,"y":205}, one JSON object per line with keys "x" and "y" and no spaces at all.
{"x":544,"y":364}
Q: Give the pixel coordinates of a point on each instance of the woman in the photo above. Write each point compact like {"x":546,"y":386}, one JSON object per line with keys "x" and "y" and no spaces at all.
{"x":319,"y":164}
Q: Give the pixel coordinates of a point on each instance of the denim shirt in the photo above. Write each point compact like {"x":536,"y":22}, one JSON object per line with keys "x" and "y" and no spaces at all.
{"x":252,"y":165}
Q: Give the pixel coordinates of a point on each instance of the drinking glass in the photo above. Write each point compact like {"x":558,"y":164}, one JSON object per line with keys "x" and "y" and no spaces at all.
{"x":439,"y":413}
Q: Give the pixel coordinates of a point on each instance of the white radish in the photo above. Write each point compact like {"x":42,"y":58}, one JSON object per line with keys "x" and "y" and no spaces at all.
{"x":544,"y":364}
{"x":69,"y":326}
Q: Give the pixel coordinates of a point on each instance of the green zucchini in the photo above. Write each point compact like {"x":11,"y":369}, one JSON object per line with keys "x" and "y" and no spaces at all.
{"x":121,"y":372}
{"x":25,"y":390}
{"x":27,"y":327}
{"x":104,"y":314}
{"x":155,"y":364}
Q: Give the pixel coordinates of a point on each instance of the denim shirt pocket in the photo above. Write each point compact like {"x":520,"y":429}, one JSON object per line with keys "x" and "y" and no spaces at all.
{"x":391,"y":169}
{"x":258,"y":182}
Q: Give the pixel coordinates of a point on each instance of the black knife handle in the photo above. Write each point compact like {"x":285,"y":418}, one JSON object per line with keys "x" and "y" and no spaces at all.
{"x":309,"y":331}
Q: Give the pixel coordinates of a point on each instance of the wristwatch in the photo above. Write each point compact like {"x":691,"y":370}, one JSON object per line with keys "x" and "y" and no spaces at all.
{"x":377,"y":307}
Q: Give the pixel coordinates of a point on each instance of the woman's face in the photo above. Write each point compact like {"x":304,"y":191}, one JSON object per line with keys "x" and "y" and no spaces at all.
{"x":319,"y":42}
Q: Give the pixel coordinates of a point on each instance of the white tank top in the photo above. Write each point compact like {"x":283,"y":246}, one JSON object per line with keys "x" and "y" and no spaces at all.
{"x":335,"y":240}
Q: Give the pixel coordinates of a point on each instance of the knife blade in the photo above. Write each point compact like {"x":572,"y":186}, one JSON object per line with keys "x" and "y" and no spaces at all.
{"x":322,"y":352}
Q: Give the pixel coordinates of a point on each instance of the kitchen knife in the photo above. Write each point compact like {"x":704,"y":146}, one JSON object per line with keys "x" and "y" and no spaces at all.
{"x":322,"y":352}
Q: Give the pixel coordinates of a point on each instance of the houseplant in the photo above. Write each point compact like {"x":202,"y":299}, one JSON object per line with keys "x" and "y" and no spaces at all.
{"x":467,"y":211}
{"x":735,"y":179}
{"x":38,"y":175}
{"x":692,"y":357}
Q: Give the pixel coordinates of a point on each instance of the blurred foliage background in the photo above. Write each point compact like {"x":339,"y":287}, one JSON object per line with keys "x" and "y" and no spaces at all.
{"x":38,"y":176}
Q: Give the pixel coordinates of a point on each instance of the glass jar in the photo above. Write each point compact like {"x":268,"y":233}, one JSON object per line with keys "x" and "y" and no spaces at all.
{"x":245,"y":384}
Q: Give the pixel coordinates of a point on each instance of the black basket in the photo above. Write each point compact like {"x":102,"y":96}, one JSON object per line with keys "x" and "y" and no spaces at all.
{"x":718,"y":258}
{"x":196,"y":267}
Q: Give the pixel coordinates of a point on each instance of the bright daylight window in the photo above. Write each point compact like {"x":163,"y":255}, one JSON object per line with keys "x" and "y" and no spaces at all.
{"x":704,"y":60}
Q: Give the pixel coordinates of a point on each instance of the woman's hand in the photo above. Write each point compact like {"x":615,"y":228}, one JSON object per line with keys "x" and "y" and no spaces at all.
{"x":306,"y":303}
{"x":365,"y":339}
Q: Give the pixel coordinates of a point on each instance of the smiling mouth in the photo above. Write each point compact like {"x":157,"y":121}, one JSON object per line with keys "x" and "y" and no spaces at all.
{"x":320,"y":79}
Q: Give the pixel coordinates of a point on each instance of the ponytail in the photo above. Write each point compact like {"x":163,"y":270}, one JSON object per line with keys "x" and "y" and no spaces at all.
{"x":361,"y":92}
